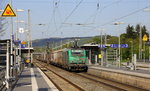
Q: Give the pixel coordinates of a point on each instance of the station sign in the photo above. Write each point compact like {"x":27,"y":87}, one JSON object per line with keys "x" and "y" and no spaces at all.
{"x":114,"y":46}
{"x":17,"y":42}
{"x":22,"y":46}
{"x":101,"y":46}
{"x":147,"y":43}
{"x":117,"y":45}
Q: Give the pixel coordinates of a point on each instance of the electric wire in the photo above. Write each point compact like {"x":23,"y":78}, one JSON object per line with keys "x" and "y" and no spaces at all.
{"x":100,"y":9}
{"x":122,"y":17}
{"x":60,"y":27}
{"x":55,"y":5}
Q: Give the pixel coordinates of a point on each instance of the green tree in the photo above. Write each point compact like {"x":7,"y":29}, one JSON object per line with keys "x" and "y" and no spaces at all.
{"x":130,"y":33}
{"x":144,"y":31}
{"x":137,"y":29}
{"x":96,"y":40}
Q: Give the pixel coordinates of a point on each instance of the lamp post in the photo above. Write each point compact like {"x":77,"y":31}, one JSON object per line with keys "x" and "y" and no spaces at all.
{"x":101,"y":43}
{"x":118,"y":23}
{"x":16,"y":34}
{"x":16,"y":38}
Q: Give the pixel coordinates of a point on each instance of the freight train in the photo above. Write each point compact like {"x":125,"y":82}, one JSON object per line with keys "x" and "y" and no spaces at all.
{"x":72,"y":59}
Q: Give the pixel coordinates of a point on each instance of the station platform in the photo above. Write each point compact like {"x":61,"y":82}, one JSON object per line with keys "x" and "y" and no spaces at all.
{"x":123,"y":70}
{"x":138,"y":78}
{"x":33,"y":79}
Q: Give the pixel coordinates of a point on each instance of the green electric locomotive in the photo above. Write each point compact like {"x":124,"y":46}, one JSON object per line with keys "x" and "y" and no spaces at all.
{"x":72,"y":59}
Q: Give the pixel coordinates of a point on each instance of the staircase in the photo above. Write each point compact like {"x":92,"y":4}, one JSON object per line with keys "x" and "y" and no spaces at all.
{"x":112,"y":56}
{"x":3,"y":50}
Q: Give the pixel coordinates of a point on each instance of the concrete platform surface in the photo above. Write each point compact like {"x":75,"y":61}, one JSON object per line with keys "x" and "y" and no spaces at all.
{"x":123,"y":70}
{"x":137,"y":78}
{"x":33,"y":79}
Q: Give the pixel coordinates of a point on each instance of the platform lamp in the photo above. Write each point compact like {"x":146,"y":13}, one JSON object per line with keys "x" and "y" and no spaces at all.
{"x":118,"y":23}
{"x":101,"y":44}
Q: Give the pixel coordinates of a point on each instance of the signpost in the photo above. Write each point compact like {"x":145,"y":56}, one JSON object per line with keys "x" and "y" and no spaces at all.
{"x":101,"y":46}
{"x":8,"y":12}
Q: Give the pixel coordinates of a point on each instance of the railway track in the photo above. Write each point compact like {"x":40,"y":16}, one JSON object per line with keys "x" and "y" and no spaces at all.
{"x":82,"y":81}
{"x":60,"y":82}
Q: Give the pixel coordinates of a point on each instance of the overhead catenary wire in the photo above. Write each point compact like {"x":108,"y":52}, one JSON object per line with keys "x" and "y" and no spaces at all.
{"x":129,"y":14}
{"x":117,"y":19}
{"x":100,"y":8}
{"x":97,"y":11}
{"x":52,"y":19}
{"x":3,"y":3}
{"x":70,"y":14}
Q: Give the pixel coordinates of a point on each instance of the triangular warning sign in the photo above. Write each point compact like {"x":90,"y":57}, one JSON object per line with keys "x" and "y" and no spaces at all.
{"x":145,"y":38}
{"x":8,"y":12}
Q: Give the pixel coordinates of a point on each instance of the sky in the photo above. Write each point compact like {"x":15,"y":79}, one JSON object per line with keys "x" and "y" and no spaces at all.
{"x":77,"y":18}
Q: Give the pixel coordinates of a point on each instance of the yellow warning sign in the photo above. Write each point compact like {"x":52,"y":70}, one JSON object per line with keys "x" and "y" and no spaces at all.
{"x":145,"y":38}
{"x":8,"y":12}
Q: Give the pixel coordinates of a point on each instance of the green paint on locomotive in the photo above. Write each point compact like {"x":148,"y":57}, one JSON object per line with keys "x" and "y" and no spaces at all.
{"x":76,"y":56}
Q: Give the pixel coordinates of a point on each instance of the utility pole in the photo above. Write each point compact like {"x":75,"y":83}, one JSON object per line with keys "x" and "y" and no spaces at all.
{"x":132,"y":50}
{"x":29,"y":37}
{"x":106,"y":50}
{"x":7,"y":66}
{"x":118,"y":23}
{"x":11,"y":48}
{"x":140,"y":44}
{"x":61,"y":40}
{"x":101,"y":49}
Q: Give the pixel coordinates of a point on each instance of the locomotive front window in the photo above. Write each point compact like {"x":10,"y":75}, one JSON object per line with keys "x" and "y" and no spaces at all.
{"x":77,"y":53}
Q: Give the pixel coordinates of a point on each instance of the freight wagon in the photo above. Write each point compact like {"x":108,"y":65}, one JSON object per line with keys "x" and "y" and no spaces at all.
{"x":72,"y":59}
